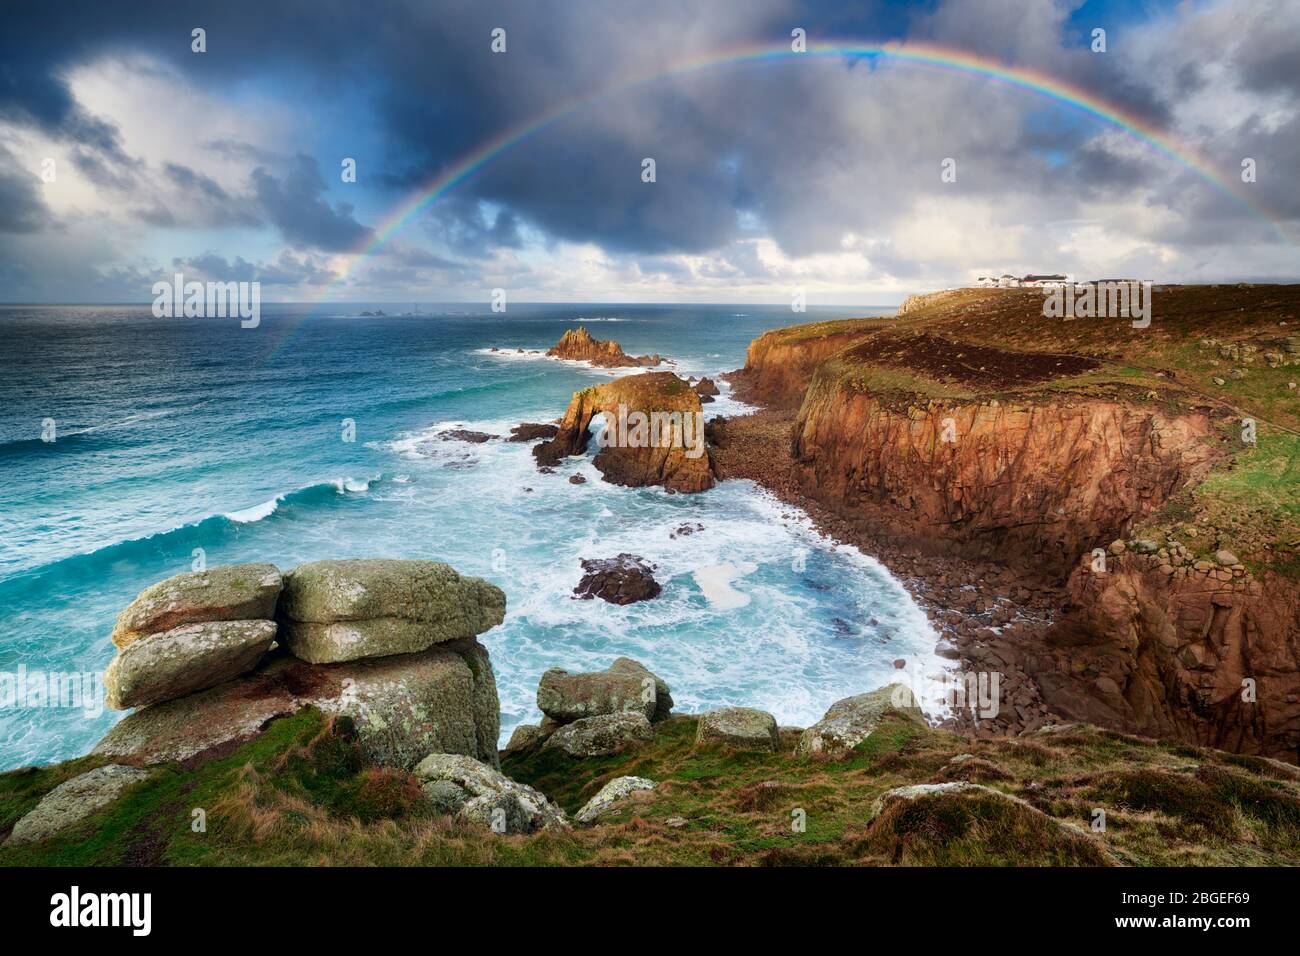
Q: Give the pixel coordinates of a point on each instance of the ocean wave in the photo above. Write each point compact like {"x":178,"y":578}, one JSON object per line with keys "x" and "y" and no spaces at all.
{"x":306,"y":494}
{"x":206,"y":532}
{"x":76,"y":438}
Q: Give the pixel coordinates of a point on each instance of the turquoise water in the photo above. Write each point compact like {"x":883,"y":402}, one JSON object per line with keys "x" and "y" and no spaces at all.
{"x":180,"y":434}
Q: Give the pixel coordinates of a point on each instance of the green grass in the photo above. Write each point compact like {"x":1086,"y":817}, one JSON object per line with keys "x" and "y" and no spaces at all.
{"x":1265,"y":475}
{"x":301,"y":794}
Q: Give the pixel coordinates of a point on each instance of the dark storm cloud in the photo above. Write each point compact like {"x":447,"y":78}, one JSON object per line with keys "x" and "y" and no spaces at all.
{"x":294,"y":204}
{"x":468,"y":229}
{"x":1269,"y":56}
{"x":1103,"y":172}
{"x":810,"y":150}
{"x":108,"y":169}
{"x":288,"y":269}
{"x":217,"y":206}
{"x":186,"y":178}
{"x":21,"y":206}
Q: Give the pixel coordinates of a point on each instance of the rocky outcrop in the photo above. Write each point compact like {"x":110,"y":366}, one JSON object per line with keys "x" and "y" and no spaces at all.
{"x":184,"y":660}
{"x":191,"y":632}
{"x":467,"y":435}
{"x":623,"y":579}
{"x":707,"y":389}
{"x":532,"y":431}
{"x":740,"y":728}
{"x":924,"y":300}
{"x":577,"y":344}
{"x":600,"y":736}
{"x":74,"y":800}
{"x":334,"y":611}
{"x":1026,"y":483}
{"x":625,"y":687}
{"x":405,"y":707}
{"x":471,"y":791}
{"x":612,"y":797}
{"x":1173,"y":648}
{"x":780,"y":364}
{"x":232,"y":592}
{"x":389,"y":644}
{"x":653,"y":435}
{"x":852,"y":720}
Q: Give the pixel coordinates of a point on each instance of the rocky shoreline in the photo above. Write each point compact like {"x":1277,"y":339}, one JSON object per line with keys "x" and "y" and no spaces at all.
{"x":963,"y":599}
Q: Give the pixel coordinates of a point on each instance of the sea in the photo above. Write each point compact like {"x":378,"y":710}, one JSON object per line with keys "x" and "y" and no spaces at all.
{"x":134,"y":448}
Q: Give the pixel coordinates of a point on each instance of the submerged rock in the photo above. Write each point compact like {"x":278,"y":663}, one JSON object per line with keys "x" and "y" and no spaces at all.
{"x":476,"y":793}
{"x":465,"y":434}
{"x":442,"y":700}
{"x":335,"y":611}
{"x":610,"y":796}
{"x":852,"y":720}
{"x":623,"y":579}
{"x":741,"y":728}
{"x":231,"y":592}
{"x":600,"y":736}
{"x":184,"y":660}
{"x":531,"y":431}
{"x":74,"y":800}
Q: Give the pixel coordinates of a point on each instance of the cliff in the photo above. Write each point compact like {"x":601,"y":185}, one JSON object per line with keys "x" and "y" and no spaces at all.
{"x":577,"y":344}
{"x":653,"y":435}
{"x":780,"y":364}
{"x":974,"y":428}
{"x":1023,"y":482}
{"x":1192,"y":651}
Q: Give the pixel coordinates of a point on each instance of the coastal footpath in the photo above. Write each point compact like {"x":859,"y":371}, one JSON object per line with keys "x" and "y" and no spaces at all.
{"x":363,"y":733}
{"x":1108,"y":516}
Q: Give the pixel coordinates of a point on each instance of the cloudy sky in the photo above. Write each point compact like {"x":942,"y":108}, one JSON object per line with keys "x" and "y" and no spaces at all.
{"x":821,"y":173}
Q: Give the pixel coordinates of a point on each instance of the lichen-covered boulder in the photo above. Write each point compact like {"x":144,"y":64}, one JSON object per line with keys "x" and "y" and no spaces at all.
{"x":442,"y":700}
{"x":74,"y":800}
{"x":231,"y":592}
{"x":611,"y":796}
{"x":625,"y":687}
{"x":600,"y":736}
{"x":333,"y":611}
{"x":476,"y":793}
{"x":184,"y":660}
{"x":663,"y":696}
{"x":524,"y":736}
{"x":741,"y":728}
{"x":852,"y":720}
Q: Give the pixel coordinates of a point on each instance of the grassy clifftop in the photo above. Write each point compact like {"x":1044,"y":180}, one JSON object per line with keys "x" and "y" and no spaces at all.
{"x":1231,"y":352}
{"x":300,"y":794}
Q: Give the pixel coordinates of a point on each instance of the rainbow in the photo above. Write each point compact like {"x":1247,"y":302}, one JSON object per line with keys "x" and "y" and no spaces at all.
{"x":944,"y":58}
